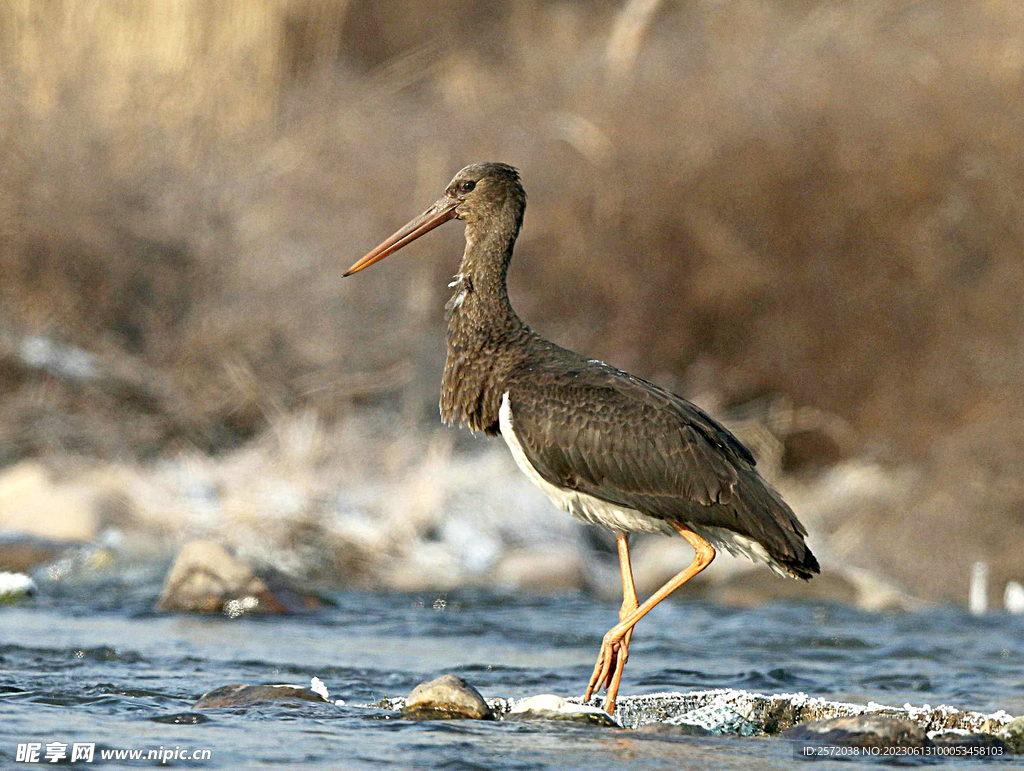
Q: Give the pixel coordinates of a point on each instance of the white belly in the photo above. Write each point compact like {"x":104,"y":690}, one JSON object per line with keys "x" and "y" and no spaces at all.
{"x":620,"y":519}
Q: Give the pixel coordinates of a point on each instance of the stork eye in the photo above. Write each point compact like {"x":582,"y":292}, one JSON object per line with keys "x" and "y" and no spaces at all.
{"x":467,"y":186}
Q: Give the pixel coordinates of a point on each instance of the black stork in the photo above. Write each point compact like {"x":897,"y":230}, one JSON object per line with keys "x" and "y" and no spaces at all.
{"x":610,"y":448}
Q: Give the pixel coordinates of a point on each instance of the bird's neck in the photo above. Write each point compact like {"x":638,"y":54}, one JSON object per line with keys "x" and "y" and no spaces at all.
{"x":486,"y":339}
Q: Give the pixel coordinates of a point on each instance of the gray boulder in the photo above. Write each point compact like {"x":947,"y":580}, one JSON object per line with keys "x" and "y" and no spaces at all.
{"x":446,"y":697}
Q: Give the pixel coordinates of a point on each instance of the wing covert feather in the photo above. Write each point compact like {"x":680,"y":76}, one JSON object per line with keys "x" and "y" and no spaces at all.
{"x":617,"y":437}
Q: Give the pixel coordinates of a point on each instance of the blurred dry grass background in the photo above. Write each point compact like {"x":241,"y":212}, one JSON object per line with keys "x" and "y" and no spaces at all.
{"x":804,"y":214}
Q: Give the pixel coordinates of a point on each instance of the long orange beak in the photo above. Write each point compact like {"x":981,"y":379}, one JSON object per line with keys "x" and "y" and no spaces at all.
{"x":438,"y":214}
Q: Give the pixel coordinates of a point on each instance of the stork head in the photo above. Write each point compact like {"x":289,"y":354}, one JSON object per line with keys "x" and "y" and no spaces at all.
{"x":484,"y":195}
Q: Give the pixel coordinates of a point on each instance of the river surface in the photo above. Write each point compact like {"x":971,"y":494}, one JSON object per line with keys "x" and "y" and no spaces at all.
{"x":95,"y":664}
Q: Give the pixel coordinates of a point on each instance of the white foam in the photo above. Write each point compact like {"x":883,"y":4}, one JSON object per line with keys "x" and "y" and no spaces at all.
{"x":12,"y":584}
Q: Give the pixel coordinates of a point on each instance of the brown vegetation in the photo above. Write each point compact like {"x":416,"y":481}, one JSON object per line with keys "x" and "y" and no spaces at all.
{"x":801,"y":203}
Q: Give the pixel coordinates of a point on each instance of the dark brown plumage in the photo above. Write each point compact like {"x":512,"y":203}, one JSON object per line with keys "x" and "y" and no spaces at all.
{"x":647,"y":449}
{"x":606,"y":446}
{"x":486,"y":339}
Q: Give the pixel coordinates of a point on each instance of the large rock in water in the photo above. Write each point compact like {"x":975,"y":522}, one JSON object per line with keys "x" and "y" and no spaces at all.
{"x":207,"y":578}
{"x":448,"y":696}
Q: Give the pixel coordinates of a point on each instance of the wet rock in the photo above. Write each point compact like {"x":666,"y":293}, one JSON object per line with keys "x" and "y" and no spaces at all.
{"x":448,"y":696}
{"x":550,"y":707}
{"x":540,"y":570}
{"x":994,"y":745}
{"x":20,"y":553}
{"x":207,"y":578}
{"x":1013,"y":734}
{"x":670,"y":730}
{"x":15,"y":587}
{"x":876,"y":731}
{"x":718,"y":719}
{"x":244,"y":695}
{"x":31,"y":503}
{"x":387,"y":703}
{"x":860,"y":731}
{"x":738,"y":711}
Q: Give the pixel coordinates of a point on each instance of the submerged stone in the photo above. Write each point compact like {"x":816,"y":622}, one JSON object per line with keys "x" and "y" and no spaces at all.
{"x":973,"y":741}
{"x":867,"y":730}
{"x":244,"y":695}
{"x":673,"y":729}
{"x":446,"y":697}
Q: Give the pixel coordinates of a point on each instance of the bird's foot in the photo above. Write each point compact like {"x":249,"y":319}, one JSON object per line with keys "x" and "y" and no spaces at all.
{"x":611,"y":661}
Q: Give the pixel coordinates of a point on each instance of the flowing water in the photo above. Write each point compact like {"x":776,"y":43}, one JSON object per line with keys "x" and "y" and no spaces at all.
{"x":96,"y":664}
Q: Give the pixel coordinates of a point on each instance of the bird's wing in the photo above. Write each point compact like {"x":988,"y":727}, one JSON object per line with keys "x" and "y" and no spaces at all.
{"x":624,"y":440}
{"x":618,"y":437}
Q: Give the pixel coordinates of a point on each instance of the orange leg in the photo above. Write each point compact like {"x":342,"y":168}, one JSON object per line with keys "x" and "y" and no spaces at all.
{"x":611,"y":659}
{"x":629,"y":604}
